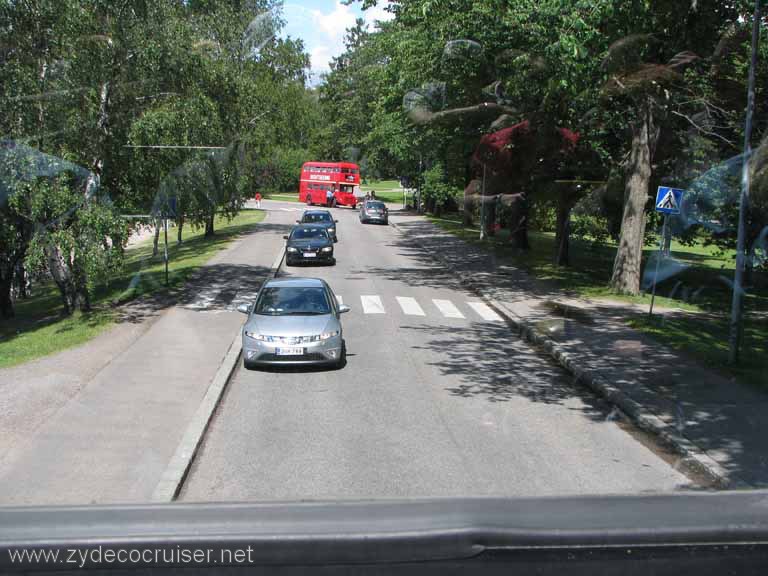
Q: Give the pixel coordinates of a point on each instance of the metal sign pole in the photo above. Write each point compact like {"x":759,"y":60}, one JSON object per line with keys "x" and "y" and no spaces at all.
{"x":482,"y":207}
{"x":165,"y":224}
{"x":737,"y":301}
{"x":658,"y":262}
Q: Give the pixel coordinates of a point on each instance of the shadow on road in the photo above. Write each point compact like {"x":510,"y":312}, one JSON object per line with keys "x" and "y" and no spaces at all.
{"x":716,"y":413}
{"x":493,"y":364}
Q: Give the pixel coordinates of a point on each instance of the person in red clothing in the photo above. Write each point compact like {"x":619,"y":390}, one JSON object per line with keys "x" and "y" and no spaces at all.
{"x":258,"y":199}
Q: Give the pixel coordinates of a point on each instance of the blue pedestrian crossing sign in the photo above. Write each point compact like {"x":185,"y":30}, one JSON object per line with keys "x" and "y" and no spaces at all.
{"x":668,"y":200}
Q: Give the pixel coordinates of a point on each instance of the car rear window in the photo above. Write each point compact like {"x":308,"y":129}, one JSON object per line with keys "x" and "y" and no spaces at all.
{"x":302,"y":233}
{"x":321,"y":217}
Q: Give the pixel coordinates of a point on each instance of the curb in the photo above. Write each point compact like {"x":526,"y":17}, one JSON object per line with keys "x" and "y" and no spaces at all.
{"x":692,"y":456}
{"x":169,"y":486}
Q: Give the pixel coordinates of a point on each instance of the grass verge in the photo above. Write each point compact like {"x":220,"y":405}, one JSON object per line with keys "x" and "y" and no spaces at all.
{"x":705,"y":339}
{"x":696,"y":289}
{"x":282,"y":197}
{"x":39,"y":328}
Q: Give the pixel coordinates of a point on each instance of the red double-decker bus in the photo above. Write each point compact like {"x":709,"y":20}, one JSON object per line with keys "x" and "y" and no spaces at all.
{"x":330,"y":183}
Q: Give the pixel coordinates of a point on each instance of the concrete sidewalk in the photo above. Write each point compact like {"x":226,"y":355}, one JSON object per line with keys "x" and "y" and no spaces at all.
{"x":716,"y":424}
{"x":109,"y":438}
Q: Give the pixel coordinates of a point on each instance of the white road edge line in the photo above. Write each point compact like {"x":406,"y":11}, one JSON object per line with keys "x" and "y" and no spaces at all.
{"x":176,"y":471}
{"x":447,"y":308}
{"x":372,"y":305}
{"x":410,"y":306}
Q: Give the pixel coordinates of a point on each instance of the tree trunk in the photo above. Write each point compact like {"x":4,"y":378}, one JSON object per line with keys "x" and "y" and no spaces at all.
{"x":6,"y":302}
{"x":518,"y":223}
{"x":82,"y":300}
{"x":563,"y":231}
{"x":179,"y":226}
{"x":470,"y":191}
{"x":490,"y":215}
{"x":21,"y":278}
{"x":628,"y":262}
{"x":156,"y":239}
{"x":62,"y":277}
{"x":209,"y":225}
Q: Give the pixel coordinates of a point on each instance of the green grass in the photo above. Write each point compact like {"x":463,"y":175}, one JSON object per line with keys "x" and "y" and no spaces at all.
{"x":283,"y":197}
{"x":386,"y":190}
{"x":703,"y":337}
{"x":393,"y":197}
{"x":39,"y":328}
{"x":706,"y":340}
{"x":383,"y":185}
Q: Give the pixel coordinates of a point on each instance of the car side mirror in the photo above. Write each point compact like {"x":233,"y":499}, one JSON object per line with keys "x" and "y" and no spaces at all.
{"x":343,"y":308}
{"x":336,"y":221}
{"x":285,"y":237}
{"x":244,"y":308}
{"x":298,"y":221}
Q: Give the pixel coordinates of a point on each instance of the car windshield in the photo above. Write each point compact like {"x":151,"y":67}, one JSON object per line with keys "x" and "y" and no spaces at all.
{"x":551,"y":277}
{"x":308,"y":233}
{"x":320,"y":217}
{"x":292,"y":301}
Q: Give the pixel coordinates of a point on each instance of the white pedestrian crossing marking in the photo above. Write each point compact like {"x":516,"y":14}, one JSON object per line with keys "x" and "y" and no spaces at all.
{"x":447,"y":308}
{"x":339,"y":299}
{"x":372,"y":305}
{"x":410,"y":306}
{"x":485,"y":311}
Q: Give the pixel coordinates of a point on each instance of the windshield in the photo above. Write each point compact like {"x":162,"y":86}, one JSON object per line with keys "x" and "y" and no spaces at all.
{"x":289,"y":301}
{"x":551,"y":277}
{"x":309,"y":218}
{"x":307,"y":233}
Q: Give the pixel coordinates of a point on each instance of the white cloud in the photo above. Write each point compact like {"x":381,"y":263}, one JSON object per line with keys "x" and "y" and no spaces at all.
{"x":377,"y":13}
{"x":320,"y":57}
{"x":324,"y":32}
{"x":335,"y":23}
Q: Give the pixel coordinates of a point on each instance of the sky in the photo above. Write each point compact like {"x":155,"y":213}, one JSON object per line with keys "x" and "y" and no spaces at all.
{"x":322,"y":25}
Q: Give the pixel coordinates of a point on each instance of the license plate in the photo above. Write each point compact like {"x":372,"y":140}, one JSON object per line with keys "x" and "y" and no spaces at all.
{"x":293,"y":351}
{"x":310,"y":254}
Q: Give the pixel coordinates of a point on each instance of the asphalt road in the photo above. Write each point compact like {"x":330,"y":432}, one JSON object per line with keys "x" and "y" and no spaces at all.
{"x":438,"y":399}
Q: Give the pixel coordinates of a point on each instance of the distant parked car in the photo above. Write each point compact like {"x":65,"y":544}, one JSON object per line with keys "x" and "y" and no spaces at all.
{"x":294,"y":321}
{"x":309,"y":243}
{"x":323,"y":218}
{"x":374,"y":211}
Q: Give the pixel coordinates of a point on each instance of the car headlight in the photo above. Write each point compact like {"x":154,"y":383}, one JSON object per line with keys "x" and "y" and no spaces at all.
{"x":255,"y":335}
{"x":326,"y":335}
{"x":331,"y":230}
{"x":291,"y":249}
{"x":327,"y":249}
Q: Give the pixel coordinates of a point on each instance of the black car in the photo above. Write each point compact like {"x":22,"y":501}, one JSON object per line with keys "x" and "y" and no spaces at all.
{"x":309,"y":243}
{"x":323,"y":218}
{"x":374,"y":211}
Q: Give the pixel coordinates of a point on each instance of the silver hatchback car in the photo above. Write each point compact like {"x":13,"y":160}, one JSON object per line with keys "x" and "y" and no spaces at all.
{"x":294,"y":321}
